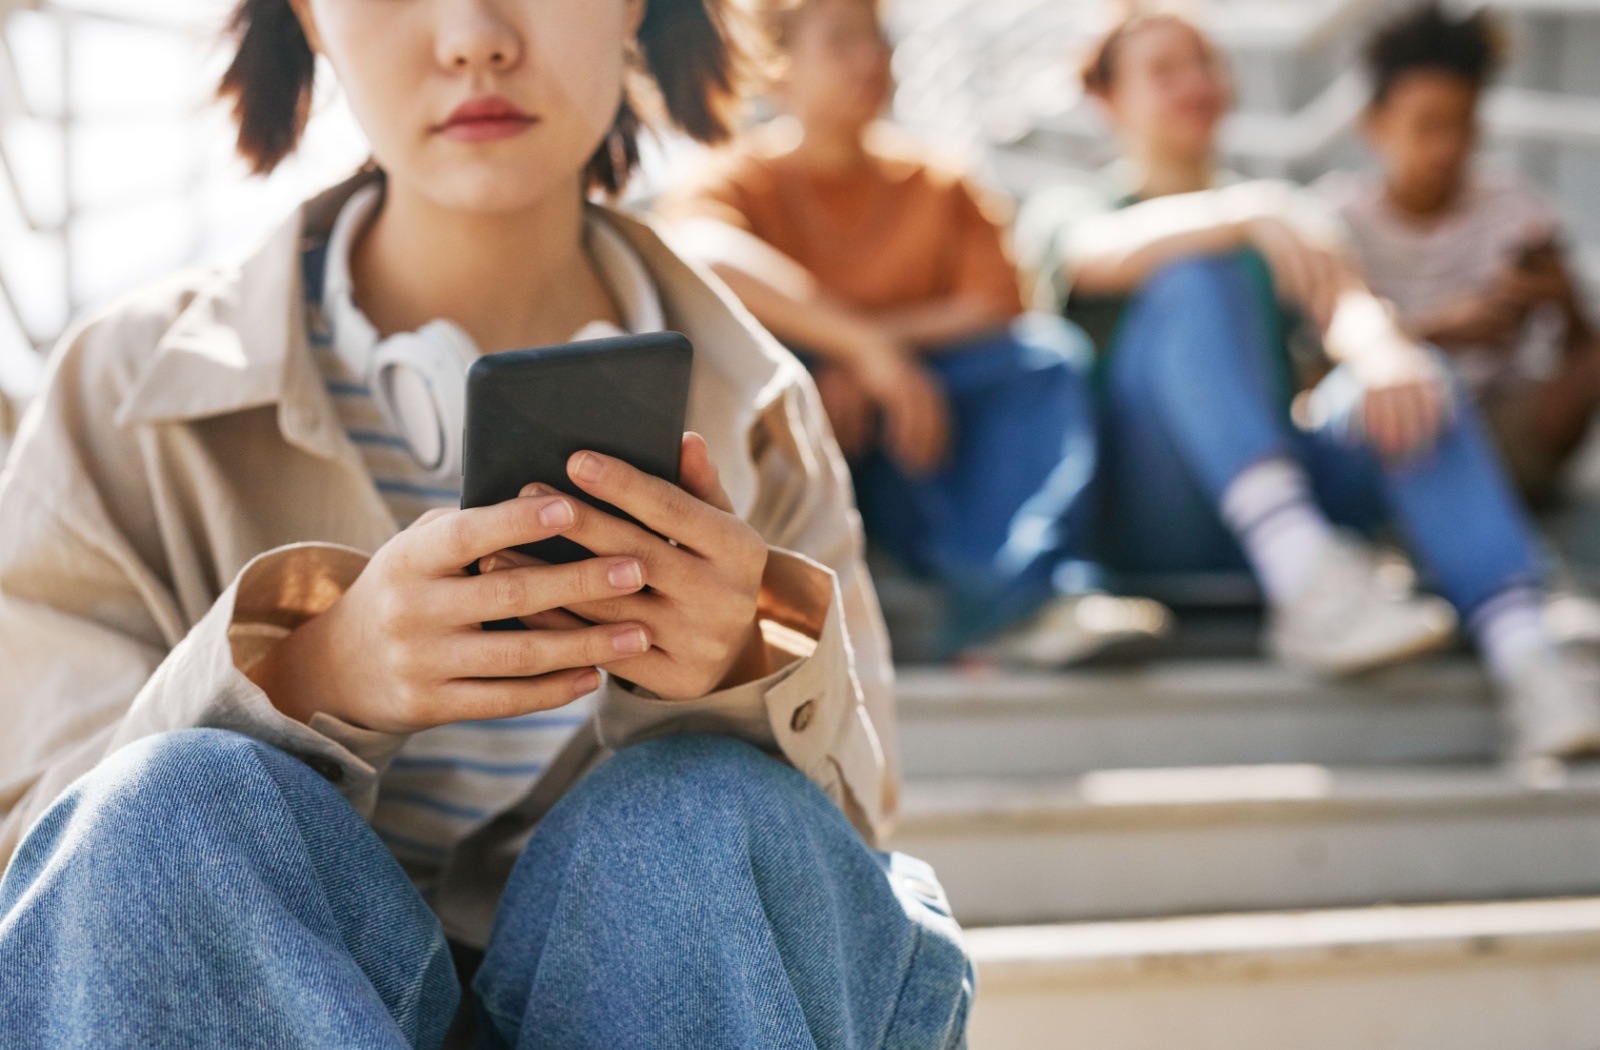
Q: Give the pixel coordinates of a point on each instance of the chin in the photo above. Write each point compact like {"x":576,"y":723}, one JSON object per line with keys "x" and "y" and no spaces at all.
{"x":494,"y":188}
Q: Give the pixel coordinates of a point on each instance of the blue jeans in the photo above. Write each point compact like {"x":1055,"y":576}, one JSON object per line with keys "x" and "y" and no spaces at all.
{"x":202,"y":889}
{"x":1192,"y":398}
{"x":1004,"y":524}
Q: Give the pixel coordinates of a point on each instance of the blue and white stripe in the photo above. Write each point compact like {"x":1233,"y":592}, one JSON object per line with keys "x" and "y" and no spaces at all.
{"x":448,"y":781}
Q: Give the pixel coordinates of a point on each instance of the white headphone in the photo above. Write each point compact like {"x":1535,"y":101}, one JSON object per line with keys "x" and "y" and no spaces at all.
{"x":419,"y":379}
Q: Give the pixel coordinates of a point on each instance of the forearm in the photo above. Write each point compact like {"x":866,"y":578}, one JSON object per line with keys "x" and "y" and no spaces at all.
{"x":813,"y":322}
{"x":943,"y":322}
{"x":1120,"y":269}
{"x":1365,"y":335}
{"x":286,"y":673}
{"x":1564,"y":405}
{"x":1116,"y":252}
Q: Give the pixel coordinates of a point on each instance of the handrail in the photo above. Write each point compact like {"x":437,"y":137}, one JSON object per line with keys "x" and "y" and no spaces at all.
{"x":1270,"y":25}
{"x":15,"y":104}
{"x":1282,"y":139}
{"x":1509,"y":113}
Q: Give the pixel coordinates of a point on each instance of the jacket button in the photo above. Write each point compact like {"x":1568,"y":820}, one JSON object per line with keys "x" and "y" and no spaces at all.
{"x":326,"y":768}
{"x":802,"y":716}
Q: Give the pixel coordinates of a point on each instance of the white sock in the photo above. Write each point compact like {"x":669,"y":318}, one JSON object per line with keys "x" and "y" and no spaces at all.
{"x":1270,"y":509}
{"x":1509,"y":629}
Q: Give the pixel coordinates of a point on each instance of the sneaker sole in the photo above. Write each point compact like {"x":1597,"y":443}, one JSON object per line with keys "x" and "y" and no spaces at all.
{"x":1421,"y":647}
{"x":1112,"y":649}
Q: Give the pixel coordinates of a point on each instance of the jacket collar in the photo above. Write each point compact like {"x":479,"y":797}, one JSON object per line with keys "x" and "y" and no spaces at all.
{"x":240,"y":343}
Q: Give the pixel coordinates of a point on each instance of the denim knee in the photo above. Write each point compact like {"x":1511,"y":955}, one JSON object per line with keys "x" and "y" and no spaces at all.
{"x":1202,"y":278}
{"x":694,"y":763}
{"x":702,"y":872}
{"x":187,"y":770}
{"x":185,"y":782}
{"x":180,"y":753}
{"x":681,"y":804}
{"x":205,"y":864}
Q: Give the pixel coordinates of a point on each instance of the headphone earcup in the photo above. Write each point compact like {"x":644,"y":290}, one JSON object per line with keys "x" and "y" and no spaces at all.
{"x":419,"y":381}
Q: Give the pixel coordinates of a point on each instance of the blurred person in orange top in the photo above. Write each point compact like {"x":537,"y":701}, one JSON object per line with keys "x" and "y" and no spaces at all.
{"x":966,"y":422}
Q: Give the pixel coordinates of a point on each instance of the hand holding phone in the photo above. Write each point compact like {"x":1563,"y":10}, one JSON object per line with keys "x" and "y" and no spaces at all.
{"x":530,"y":411}
{"x":700,"y":566}
{"x":603,"y":422}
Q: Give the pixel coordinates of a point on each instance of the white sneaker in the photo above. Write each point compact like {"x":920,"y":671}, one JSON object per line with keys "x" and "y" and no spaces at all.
{"x":1573,"y":618}
{"x":1074,"y":628}
{"x":1552,"y":707}
{"x":1349,"y":619}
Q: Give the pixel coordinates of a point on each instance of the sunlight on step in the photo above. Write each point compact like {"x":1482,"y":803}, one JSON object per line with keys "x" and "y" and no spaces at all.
{"x":1132,"y":787}
{"x":1007,"y":951}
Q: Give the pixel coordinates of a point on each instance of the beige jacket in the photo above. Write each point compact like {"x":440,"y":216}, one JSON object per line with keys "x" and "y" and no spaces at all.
{"x":181,"y":495}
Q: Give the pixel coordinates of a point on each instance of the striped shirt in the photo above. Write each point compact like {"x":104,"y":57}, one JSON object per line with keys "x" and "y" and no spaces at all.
{"x":1422,"y":267}
{"x":447,"y":781}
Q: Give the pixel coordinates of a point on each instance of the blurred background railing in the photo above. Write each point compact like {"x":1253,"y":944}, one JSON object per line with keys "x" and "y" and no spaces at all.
{"x":990,"y":75}
{"x":115,"y":167}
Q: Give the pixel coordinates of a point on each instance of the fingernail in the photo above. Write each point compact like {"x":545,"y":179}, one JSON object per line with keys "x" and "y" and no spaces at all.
{"x":493,"y":563}
{"x":537,"y":488}
{"x":586,"y":466}
{"x":631,"y":642}
{"x":556,"y":514}
{"x":586,"y":683}
{"x":626,"y":576}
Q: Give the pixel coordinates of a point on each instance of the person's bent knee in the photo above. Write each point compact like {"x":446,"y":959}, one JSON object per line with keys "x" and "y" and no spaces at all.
{"x":192,"y":778}
{"x":183,"y":764}
{"x":1202,"y":277}
{"x":665,"y":792}
{"x":679,"y":769}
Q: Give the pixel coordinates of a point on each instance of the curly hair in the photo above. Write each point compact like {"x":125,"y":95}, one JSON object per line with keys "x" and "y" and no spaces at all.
{"x":1427,"y":38}
{"x":700,"y":56}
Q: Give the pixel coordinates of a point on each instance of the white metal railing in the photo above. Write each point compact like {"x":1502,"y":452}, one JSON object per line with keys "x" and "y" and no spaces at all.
{"x":987,"y":72}
{"x":982,"y":73}
{"x":115,"y":167}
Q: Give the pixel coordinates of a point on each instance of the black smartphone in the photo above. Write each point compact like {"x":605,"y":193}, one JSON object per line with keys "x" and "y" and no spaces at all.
{"x":528,"y":411}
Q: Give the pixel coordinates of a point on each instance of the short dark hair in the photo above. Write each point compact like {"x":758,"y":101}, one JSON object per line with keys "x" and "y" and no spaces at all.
{"x":1427,"y":38}
{"x":700,"y":55}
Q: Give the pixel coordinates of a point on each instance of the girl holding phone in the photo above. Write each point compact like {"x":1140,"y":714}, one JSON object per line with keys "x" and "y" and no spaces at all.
{"x":262,"y":753}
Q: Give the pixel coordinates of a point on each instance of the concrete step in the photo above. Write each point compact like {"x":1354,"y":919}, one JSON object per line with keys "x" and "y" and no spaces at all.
{"x":1189,"y":714}
{"x":1129,"y":843}
{"x":1502,"y":976}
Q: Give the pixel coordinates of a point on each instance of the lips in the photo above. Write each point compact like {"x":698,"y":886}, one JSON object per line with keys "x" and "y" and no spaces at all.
{"x":485,"y":119}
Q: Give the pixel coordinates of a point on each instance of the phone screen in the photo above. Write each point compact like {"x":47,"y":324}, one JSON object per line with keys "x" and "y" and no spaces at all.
{"x":529,"y":411}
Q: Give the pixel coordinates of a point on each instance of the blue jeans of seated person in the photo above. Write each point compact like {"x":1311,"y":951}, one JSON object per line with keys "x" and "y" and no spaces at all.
{"x":1191,"y":398}
{"x":201,"y":889}
{"x":1004,"y":524}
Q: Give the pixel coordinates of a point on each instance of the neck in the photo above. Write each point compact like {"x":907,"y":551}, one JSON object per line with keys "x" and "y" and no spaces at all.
{"x":510,"y":280}
{"x":1158,"y":175}
{"x":829,"y":150}
{"x":1422,"y":201}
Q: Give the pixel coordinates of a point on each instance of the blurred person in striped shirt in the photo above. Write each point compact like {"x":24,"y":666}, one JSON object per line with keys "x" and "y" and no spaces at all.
{"x":1472,"y":258}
